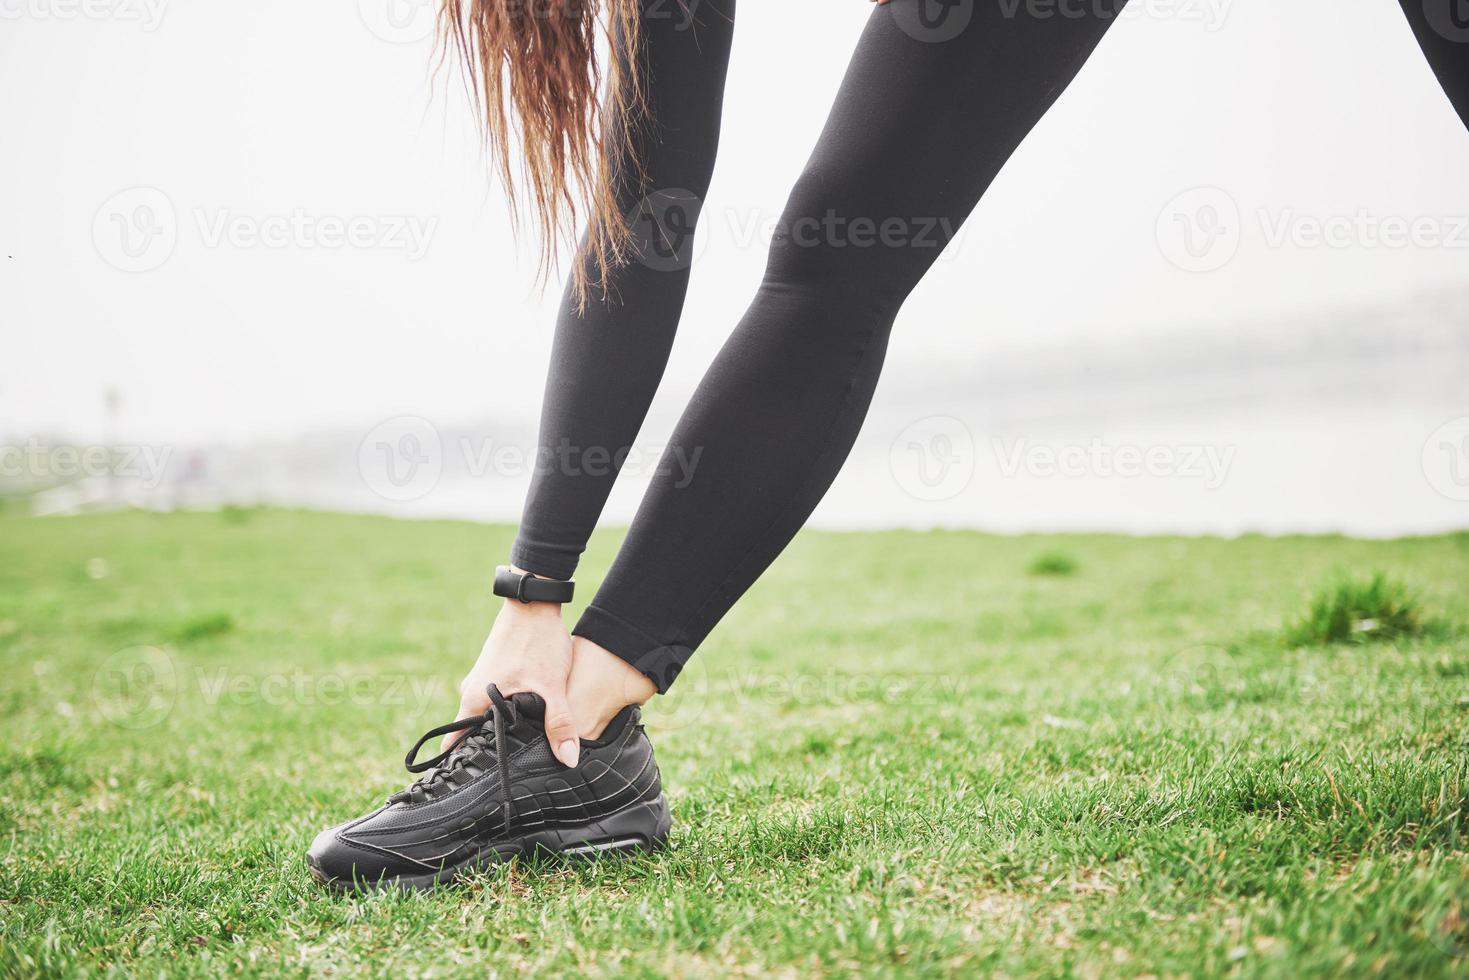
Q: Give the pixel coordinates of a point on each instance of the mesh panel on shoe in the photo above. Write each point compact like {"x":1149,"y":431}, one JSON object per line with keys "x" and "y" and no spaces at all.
{"x":537,"y":756}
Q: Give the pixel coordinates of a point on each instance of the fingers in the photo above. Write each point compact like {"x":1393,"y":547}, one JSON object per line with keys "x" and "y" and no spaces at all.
{"x":561,"y":727}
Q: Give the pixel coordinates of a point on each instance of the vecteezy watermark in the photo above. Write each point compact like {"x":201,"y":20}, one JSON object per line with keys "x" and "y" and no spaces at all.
{"x":410,"y":234}
{"x":756,"y":228}
{"x":666,"y":236}
{"x":933,"y":21}
{"x":136,"y":687}
{"x":666,"y":232}
{"x":1210,"y":13}
{"x":1362,"y":229}
{"x":1098,"y":458}
{"x":413,"y":21}
{"x":485,"y":456}
{"x":138,"y":229}
{"x":838,"y":231}
{"x":933,"y":459}
{"x":833,"y":688}
{"x":147,"y":14}
{"x":1447,"y":924}
{"x":937,"y":21}
{"x":1446,"y":459}
{"x":399,"y":21}
{"x":1198,"y":669}
{"x":40,"y":461}
{"x":221,"y":685}
{"x":1199,"y":230}
{"x":682,"y":11}
{"x":403,"y":459}
{"x":706,"y":695}
{"x":1448,"y":18}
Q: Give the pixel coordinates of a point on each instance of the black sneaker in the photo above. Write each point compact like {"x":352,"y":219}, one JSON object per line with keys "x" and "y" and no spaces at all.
{"x":455,"y":818}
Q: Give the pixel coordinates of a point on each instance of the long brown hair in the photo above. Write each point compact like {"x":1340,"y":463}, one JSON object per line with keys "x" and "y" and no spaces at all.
{"x":534,"y":72}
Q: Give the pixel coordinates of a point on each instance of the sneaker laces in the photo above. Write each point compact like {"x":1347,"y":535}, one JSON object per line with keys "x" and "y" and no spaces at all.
{"x":443,"y":769}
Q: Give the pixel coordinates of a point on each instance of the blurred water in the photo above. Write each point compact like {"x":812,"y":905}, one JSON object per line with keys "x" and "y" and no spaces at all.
{"x":1354,"y":424}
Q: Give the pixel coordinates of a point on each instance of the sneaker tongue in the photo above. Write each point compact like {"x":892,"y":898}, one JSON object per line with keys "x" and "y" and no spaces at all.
{"x":530,"y":705}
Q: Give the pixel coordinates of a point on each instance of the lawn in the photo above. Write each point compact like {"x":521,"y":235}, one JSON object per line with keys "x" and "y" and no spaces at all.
{"x":929,"y":753}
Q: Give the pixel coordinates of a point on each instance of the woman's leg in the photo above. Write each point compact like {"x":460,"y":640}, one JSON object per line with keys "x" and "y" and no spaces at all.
{"x":937,"y":97}
{"x":1442,"y":29}
{"x":607,"y":360}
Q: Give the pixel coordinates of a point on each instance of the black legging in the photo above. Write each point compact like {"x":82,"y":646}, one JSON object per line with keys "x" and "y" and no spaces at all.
{"x":938,"y":95}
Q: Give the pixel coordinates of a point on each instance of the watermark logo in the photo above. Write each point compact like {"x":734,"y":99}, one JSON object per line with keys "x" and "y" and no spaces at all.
{"x":682,"y":11}
{"x":1210,"y":13}
{"x":136,"y":687}
{"x":701,"y":697}
{"x":933,"y":21}
{"x":1449,"y":18}
{"x":221,"y":686}
{"x":833,"y":230}
{"x":136,"y":230}
{"x":754,"y":228}
{"x":1200,"y":229}
{"x":36,"y":460}
{"x":484,"y":456}
{"x":1448,"y":927}
{"x":398,"y":21}
{"x":409,"y":234}
{"x":1446,"y":459}
{"x":933,"y":459}
{"x":147,"y":14}
{"x":1363,"y":229}
{"x":1200,"y":669}
{"x":691,"y":697}
{"x":665,"y":235}
{"x":401,"y":459}
{"x":404,"y":458}
{"x":1097,"y":458}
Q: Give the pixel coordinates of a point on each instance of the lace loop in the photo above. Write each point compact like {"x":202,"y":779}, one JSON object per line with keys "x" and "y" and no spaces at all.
{"x":463,"y":724}
{"x":446,"y":765}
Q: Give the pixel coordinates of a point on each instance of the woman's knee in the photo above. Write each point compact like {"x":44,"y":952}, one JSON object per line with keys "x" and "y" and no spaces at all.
{"x":830,"y":237}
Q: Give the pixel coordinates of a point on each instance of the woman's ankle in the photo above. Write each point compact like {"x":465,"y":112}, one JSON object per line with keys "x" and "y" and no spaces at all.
{"x":601,"y":684}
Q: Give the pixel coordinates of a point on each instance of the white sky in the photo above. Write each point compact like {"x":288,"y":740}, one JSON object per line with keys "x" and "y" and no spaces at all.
{"x":246,"y":111}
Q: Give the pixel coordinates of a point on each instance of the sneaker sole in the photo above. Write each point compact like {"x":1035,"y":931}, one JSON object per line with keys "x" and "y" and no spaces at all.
{"x":638,"y":829}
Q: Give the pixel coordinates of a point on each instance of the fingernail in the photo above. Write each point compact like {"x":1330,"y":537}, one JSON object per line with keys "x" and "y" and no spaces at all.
{"x":570,"y":752}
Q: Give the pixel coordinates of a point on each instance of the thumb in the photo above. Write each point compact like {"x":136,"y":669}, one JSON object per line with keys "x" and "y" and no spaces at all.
{"x":561,"y":728}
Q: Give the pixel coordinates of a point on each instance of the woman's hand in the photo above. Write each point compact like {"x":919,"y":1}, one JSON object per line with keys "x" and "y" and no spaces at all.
{"x":528,"y":649}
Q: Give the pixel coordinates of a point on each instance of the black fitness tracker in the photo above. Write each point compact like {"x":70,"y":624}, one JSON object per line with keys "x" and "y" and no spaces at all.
{"x":527,"y":588}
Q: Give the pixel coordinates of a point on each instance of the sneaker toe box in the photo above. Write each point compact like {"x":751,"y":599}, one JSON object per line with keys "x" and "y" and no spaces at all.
{"x":336,"y":860}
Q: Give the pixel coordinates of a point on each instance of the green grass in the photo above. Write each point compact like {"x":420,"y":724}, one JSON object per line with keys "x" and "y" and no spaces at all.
{"x":1133,"y":769}
{"x":1054,"y":563}
{"x":1363,"y":610}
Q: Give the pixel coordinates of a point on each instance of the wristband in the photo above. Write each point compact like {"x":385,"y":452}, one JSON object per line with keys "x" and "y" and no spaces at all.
{"x":525,"y":587}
